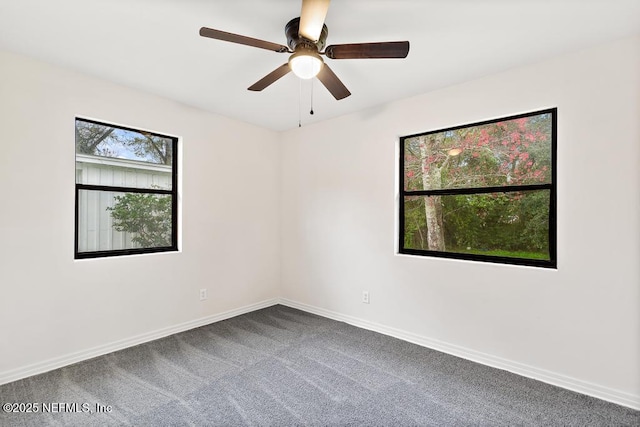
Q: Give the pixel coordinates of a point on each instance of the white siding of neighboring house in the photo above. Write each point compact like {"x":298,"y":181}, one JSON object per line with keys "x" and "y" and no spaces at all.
{"x":95,"y":225}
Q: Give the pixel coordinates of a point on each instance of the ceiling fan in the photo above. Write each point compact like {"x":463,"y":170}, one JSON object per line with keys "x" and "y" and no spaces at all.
{"x":306,"y":39}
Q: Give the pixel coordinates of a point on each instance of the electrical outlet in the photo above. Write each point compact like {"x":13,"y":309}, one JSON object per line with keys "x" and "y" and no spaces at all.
{"x":203,"y":294}
{"x":365,"y":297}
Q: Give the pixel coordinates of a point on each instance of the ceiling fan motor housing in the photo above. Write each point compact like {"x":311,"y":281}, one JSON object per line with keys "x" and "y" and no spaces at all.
{"x":294,"y":39}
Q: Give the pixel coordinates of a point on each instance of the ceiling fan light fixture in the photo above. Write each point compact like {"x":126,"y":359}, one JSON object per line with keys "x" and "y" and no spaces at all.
{"x":306,"y":64}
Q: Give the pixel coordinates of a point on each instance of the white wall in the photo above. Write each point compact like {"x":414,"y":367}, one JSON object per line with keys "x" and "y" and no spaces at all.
{"x":579,"y":325}
{"x":53,"y":308}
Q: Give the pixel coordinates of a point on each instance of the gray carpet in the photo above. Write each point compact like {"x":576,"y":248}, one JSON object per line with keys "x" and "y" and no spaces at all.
{"x":283,"y":367}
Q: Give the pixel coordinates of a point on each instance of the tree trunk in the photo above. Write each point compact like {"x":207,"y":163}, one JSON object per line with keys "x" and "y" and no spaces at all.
{"x":431,"y":180}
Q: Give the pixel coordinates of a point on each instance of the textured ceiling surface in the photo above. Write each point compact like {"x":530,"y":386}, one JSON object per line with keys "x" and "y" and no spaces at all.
{"x":153,"y":45}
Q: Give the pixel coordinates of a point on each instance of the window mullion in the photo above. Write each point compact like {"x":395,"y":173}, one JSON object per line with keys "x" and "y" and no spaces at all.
{"x":123,"y":189}
{"x":479,"y":190}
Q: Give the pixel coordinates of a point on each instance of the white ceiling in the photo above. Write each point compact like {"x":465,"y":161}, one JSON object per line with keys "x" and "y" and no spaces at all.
{"x":154,"y":45}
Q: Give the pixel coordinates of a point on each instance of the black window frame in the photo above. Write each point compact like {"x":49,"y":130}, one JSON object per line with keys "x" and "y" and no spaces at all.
{"x":173,"y":193}
{"x":551,"y":187}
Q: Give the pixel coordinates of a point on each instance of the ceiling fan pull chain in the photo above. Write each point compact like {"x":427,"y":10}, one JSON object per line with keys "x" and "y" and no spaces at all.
{"x":300,"y":103}
{"x":311,"y":112}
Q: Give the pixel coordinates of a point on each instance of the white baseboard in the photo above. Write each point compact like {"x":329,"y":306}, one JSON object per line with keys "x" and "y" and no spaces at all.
{"x":69,"y":359}
{"x":574,"y":384}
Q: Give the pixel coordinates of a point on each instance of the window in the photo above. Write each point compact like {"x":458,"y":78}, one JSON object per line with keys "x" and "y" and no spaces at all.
{"x":484,"y":191}
{"x":126,"y":191}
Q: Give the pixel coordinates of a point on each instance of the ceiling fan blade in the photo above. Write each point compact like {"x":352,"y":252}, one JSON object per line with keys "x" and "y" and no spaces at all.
{"x":328,"y":78}
{"x":270,"y":78}
{"x":312,"y":18}
{"x":368,"y":50}
{"x":235,"y":38}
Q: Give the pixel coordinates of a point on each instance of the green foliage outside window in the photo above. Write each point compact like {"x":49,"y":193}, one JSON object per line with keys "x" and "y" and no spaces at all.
{"x":147,"y":216}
